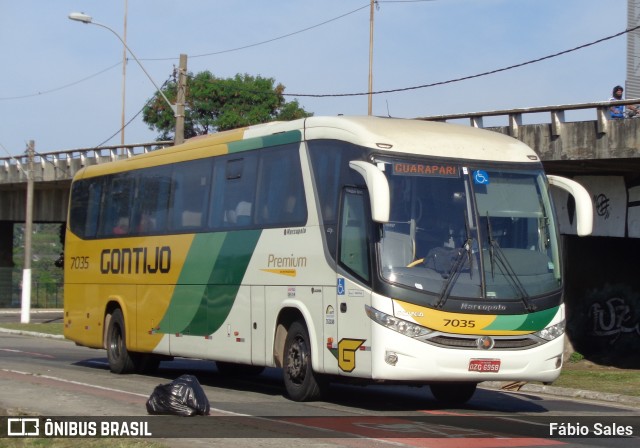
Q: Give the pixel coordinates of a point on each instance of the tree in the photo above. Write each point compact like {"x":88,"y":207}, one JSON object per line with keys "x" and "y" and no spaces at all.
{"x":216,"y":104}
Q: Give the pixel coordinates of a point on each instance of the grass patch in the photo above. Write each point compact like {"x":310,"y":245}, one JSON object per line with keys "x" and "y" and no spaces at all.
{"x":589,"y":376}
{"x":49,"y":328}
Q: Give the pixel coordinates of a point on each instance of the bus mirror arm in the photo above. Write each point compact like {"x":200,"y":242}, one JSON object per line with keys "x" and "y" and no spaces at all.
{"x":584,"y":205}
{"x":378,"y":187}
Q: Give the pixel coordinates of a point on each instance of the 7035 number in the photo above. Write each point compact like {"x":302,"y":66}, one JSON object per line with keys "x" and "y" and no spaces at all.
{"x":459,"y":323}
{"x":79,"y":262}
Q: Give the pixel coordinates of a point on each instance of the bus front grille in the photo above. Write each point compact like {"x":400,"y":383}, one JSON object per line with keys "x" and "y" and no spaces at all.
{"x":500,"y":343}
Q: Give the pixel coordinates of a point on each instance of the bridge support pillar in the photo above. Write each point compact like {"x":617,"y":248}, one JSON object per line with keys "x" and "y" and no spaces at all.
{"x":6,"y":263}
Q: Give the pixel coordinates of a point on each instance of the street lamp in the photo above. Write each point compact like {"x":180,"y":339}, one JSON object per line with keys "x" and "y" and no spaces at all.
{"x":87,"y":19}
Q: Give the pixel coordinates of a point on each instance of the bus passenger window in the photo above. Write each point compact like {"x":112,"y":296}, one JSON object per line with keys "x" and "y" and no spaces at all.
{"x":190,"y":194}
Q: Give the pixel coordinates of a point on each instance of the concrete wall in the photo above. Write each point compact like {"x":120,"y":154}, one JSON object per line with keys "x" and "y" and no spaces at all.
{"x":603,"y":298}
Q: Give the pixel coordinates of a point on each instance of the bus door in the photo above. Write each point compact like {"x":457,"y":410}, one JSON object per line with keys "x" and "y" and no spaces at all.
{"x":352,"y":347}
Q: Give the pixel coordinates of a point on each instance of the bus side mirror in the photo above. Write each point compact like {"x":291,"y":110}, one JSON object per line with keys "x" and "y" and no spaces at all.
{"x":378,"y":189}
{"x":584,"y":206}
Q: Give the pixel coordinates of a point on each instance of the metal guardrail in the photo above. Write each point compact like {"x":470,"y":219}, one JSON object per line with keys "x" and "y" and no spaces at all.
{"x":557,"y":115}
{"x":62,"y":165}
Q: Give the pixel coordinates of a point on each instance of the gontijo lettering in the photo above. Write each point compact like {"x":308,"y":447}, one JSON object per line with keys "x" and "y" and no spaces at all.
{"x":136,"y":260}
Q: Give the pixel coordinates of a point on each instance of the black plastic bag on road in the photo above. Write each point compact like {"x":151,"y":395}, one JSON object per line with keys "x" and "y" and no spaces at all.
{"x":183,"y":396}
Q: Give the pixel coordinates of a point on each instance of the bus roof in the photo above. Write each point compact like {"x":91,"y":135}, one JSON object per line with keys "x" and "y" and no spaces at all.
{"x":407,"y":136}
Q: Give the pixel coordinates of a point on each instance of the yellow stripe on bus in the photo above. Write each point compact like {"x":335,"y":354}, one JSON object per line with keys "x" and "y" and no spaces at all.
{"x":458,"y":323}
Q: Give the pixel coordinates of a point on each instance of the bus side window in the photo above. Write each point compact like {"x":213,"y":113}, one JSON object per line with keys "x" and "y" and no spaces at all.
{"x":116,"y":205}
{"x":281,"y":199}
{"x":153,"y":194}
{"x":85,"y":207}
{"x":190,"y":195}
{"x":354,"y":241}
{"x":234,"y":192}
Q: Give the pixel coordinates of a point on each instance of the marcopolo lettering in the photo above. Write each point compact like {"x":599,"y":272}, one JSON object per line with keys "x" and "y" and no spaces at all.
{"x":136,"y":260}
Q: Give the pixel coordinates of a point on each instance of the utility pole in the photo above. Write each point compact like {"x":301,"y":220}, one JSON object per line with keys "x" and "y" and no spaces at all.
{"x":124,"y":75}
{"x":180,"y":100}
{"x":370,"y":108}
{"x":28,"y":226}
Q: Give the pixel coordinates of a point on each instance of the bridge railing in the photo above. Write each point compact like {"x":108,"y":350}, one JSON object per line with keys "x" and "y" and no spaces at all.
{"x":62,"y":165}
{"x":556,"y":115}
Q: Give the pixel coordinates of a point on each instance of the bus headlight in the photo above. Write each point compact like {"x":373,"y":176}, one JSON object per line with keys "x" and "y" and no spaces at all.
{"x":552,"y":332}
{"x":401,"y":326}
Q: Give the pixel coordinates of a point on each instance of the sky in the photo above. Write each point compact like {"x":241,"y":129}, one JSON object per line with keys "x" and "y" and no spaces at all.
{"x":61,"y":81}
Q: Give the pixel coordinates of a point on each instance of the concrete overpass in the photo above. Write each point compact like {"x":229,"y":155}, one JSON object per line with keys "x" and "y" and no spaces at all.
{"x":602,"y":271}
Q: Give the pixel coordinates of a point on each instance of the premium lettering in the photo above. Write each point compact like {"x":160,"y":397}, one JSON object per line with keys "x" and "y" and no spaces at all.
{"x":286,"y":262}
{"x":136,"y":260}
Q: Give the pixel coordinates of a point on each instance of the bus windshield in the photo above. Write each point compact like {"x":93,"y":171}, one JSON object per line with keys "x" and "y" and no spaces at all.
{"x":470,"y":232}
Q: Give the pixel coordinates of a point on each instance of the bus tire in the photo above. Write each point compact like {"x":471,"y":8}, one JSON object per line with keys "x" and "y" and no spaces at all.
{"x":301,"y":382}
{"x":453,"y":393}
{"x":120,"y":360}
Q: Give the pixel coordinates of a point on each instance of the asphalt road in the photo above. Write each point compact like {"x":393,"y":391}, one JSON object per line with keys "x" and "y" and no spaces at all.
{"x":53,"y":377}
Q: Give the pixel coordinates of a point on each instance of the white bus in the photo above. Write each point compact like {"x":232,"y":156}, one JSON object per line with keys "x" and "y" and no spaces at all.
{"x":334,"y":248}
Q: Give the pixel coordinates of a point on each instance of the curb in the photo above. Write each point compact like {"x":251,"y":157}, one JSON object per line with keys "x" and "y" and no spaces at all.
{"x":31,"y":333}
{"x":567,"y":392}
{"x":18,"y":311}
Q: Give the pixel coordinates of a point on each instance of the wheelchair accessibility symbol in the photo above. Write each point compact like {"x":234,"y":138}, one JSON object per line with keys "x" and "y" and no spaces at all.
{"x":340,"y":286}
{"x":481,"y":177}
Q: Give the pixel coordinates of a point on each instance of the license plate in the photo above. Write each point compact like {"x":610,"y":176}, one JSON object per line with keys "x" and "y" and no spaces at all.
{"x":484,"y":365}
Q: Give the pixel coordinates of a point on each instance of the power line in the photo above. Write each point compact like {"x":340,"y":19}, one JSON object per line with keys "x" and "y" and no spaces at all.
{"x":61,"y":87}
{"x":194,"y":56}
{"x":329,"y":95}
{"x":465,"y":78}
{"x":269,"y":40}
{"x":134,"y":117}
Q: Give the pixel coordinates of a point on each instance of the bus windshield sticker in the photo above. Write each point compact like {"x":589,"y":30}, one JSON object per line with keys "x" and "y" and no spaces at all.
{"x":425,"y":169}
{"x":481,"y":177}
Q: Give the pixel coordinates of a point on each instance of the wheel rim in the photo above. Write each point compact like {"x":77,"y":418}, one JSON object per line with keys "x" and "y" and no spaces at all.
{"x":297,"y":357}
{"x":115,"y":347}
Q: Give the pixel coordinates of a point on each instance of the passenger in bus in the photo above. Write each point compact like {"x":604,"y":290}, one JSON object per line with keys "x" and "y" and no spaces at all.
{"x":147,"y":223}
{"x":290,"y":210}
{"x":122,"y":228}
{"x":241,"y":215}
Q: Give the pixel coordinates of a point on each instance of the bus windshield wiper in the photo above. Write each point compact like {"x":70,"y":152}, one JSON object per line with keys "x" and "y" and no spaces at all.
{"x":455,"y":270}
{"x":497,"y":254}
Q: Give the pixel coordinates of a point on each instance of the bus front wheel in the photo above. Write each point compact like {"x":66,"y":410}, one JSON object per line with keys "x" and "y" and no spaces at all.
{"x":120,"y":360}
{"x":301,"y":382}
{"x":453,"y":393}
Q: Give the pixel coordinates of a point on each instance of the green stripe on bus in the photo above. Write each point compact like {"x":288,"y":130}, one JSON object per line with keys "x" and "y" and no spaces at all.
{"x":209,"y":282}
{"x":524,"y":322}
{"x":262,"y":142}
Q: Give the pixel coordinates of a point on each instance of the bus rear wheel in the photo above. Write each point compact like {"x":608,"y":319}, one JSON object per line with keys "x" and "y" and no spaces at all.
{"x":301,"y":382}
{"x":120,"y":360}
{"x":453,"y":393}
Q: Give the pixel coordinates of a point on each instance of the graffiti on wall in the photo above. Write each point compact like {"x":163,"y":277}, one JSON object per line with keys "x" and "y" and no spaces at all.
{"x":613,"y":318}
{"x":602,"y":203}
